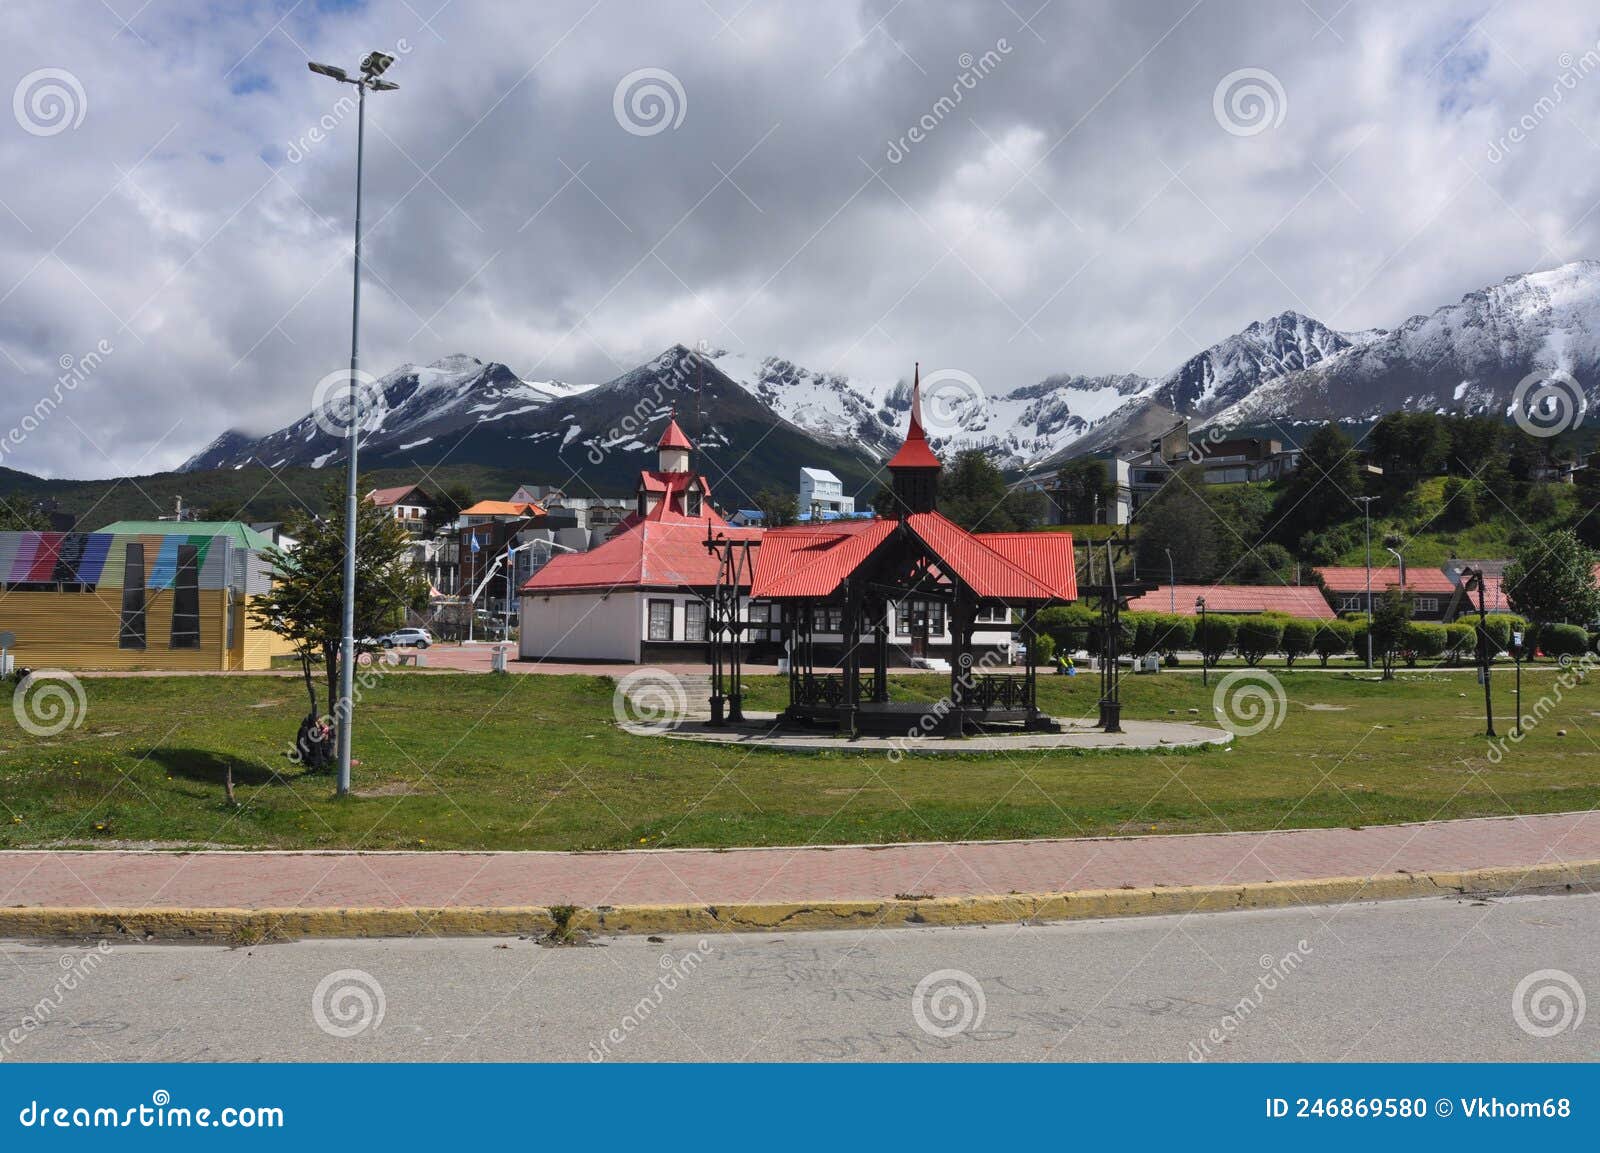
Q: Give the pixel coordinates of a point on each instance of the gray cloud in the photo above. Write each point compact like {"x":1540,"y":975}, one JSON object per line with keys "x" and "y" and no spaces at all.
{"x":1080,"y":209}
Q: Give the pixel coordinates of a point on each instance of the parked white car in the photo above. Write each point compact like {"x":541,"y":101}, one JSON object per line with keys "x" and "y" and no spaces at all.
{"x":406,"y":638}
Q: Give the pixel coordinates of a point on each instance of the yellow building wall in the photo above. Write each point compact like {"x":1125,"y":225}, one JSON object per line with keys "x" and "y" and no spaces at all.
{"x":76,"y":630}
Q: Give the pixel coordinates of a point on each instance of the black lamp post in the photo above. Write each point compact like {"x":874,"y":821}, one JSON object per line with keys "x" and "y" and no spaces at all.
{"x":1205,"y":669}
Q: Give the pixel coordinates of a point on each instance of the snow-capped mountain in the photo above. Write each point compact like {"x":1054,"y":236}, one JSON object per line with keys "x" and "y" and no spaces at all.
{"x":761,"y":418}
{"x":1467,"y":356}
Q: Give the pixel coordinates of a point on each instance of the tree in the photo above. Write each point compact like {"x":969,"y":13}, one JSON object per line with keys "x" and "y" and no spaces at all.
{"x":304,"y":603}
{"x":446,"y":508}
{"x":973,"y":493}
{"x":1178,"y":518}
{"x":1423,"y":640}
{"x":1552,"y":580}
{"x":17,"y":515}
{"x":1258,"y":636}
{"x":1391,"y":613}
{"x":1299,"y":638}
{"x":1084,"y":490}
{"x":1321,"y":491}
{"x":1330,"y":641}
{"x":777,"y":508}
{"x":1214,"y":634}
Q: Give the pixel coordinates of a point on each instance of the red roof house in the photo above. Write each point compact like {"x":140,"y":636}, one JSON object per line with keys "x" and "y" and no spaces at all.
{"x":1304,"y":601}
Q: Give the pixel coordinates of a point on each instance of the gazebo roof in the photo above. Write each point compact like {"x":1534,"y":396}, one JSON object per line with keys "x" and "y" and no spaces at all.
{"x":813,"y":563}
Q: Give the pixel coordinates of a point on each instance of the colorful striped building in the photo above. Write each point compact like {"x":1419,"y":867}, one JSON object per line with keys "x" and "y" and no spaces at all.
{"x":175,"y":597}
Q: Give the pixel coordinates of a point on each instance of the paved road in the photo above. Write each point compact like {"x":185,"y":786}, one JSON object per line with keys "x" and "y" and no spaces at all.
{"x":1418,"y":980}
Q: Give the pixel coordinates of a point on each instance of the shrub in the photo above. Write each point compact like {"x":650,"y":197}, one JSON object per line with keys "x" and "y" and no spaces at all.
{"x":1299,"y":637}
{"x":1044,"y":649}
{"x":1146,"y":632}
{"x":1422,"y":640}
{"x":1499,"y":626}
{"x":1330,"y":640}
{"x":1069,"y":626}
{"x":1564,"y":640}
{"x":1257,"y":636}
{"x":1216,"y":637}
{"x":1461,"y":640}
{"x":1354,"y":627}
{"x":1177,"y":632}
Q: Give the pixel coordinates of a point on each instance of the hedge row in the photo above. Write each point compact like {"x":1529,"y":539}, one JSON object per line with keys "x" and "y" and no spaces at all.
{"x":1259,"y":635}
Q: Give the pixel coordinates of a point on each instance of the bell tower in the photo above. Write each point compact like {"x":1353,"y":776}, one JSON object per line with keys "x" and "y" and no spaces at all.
{"x":914,"y":467}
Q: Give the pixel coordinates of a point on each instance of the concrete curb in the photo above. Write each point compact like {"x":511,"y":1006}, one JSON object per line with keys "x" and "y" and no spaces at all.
{"x":251,"y":926}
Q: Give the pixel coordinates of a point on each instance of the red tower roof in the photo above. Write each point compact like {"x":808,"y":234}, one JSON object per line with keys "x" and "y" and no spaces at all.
{"x":673,"y":436}
{"x":915,"y":453}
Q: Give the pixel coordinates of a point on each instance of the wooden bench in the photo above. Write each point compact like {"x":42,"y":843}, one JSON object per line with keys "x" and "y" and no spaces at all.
{"x":411,"y":657}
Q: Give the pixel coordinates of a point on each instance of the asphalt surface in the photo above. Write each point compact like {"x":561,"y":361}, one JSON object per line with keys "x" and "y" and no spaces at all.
{"x":1405,"y":980}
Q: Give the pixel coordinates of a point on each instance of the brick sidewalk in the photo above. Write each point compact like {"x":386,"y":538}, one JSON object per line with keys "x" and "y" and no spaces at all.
{"x":120,"y":880}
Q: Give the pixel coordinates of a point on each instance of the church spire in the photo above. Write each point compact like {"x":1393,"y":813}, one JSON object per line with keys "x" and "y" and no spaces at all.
{"x":914,"y":467}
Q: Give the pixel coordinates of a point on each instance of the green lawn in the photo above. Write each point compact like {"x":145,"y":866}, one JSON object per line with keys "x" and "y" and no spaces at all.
{"x":536,"y":762}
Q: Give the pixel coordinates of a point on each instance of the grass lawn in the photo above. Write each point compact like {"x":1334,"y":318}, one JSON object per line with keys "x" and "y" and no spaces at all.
{"x":536,"y":762}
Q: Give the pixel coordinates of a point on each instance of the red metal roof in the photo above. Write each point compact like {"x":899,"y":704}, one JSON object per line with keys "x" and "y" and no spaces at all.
{"x":652,"y":554}
{"x":1353,"y":578}
{"x":914,"y":451}
{"x":385,"y":497}
{"x":808,"y":562}
{"x":1305,"y":601}
{"x":672,"y":436}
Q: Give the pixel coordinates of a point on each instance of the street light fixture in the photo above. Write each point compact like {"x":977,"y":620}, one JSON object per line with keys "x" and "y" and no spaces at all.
{"x":1366,"y":513}
{"x":374,"y":66}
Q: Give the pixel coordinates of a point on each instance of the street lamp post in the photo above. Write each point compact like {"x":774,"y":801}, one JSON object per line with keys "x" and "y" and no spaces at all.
{"x":373,"y":67}
{"x":512,"y":551}
{"x":1205,"y":670}
{"x":1366,"y":514}
{"x":1172,"y":584}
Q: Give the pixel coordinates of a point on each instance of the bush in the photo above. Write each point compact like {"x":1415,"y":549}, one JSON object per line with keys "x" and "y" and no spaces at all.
{"x":1216,"y":637}
{"x":1564,"y":640}
{"x":1257,"y":636}
{"x":1069,"y":626}
{"x":1500,"y":626}
{"x":1177,"y":632}
{"x":1044,"y":649}
{"x":1330,"y":640}
{"x":1354,"y":627}
{"x":1299,"y":637}
{"x":1146,"y":632}
{"x":1461,"y":640}
{"x":1422,"y":640}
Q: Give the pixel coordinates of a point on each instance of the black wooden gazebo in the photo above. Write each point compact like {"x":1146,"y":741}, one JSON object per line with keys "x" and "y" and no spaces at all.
{"x":849,"y":579}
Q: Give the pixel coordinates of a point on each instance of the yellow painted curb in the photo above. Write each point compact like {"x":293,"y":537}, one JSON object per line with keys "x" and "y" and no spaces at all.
{"x":249,"y":926}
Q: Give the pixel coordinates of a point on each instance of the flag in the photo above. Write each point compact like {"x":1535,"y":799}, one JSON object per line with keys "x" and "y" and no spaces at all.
{"x":474,"y":542}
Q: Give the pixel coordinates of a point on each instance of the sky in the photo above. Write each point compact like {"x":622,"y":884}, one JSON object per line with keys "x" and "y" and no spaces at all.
{"x":570,"y":188}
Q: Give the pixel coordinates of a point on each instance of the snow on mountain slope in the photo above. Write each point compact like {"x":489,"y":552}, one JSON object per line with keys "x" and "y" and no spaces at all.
{"x":1466,"y":356}
{"x":412,"y":405}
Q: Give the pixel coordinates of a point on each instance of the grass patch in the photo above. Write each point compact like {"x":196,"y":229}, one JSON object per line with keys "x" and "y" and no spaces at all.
{"x":537,"y":762}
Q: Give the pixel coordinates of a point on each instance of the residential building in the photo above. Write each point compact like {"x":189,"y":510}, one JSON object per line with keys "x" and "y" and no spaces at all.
{"x":1346,"y":588}
{"x":409,"y":504}
{"x":171,"y":595}
{"x":821,"y":492}
{"x":1225,"y":460}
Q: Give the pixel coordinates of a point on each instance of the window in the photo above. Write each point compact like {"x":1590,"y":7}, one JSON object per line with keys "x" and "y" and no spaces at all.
{"x":994,"y":614}
{"x":186,"y":599}
{"x":131,"y":633}
{"x":691,"y":503}
{"x":827,"y":620}
{"x":661,"y":620}
{"x":694,"y":620}
{"x":1353,"y":604}
{"x":1426,"y":605}
{"x":919,"y":612}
